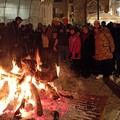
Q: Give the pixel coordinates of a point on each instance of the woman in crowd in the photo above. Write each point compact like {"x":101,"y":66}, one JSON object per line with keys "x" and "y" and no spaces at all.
{"x":87,"y":52}
{"x":104,"y":48}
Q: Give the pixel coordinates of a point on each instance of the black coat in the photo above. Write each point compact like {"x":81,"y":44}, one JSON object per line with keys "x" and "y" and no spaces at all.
{"x":13,"y":35}
{"x":88,"y":47}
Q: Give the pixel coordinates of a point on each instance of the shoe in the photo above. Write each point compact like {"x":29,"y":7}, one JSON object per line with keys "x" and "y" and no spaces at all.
{"x":111,"y":78}
{"x":99,"y":76}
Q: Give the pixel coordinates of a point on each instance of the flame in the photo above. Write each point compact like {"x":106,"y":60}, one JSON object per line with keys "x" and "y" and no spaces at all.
{"x":58,"y":70}
{"x":28,"y":57}
{"x":16,"y":91}
{"x":23,"y":112}
{"x":2,"y":83}
{"x":15,"y":68}
{"x":39,"y":63}
{"x":52,"y":84}
{"x":42,"y":86}
{"x":2,"y":71}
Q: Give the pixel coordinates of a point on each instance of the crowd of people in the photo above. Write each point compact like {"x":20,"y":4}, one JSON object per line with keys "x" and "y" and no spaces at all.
{"x":87,"y":49}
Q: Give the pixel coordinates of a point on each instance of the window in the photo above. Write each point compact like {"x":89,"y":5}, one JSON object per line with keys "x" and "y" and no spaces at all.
{"x":57,"y":12}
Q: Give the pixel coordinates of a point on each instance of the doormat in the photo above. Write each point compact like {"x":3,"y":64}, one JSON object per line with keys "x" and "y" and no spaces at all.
{"x":85,"y":107}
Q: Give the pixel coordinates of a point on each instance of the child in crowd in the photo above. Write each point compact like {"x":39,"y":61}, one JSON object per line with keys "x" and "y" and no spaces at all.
{"x":75,"y":50}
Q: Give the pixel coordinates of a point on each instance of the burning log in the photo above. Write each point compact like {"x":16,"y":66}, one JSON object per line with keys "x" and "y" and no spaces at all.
{"x":48,"y":76}
{"x":4,"y":75}
{"x":66,"y":96}
{"x":29,"y":66}
{"x":56,"y":115}
{"x":18,"y":77}
{"x":21,"y":80}
{"x":51,"y":115}
{"x":37,"y":99}
{"x":17,"y":114}
{"x":52,"y":92}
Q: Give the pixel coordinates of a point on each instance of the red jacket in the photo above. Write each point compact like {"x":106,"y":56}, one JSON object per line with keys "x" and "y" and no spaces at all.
{"x":75,"y":46}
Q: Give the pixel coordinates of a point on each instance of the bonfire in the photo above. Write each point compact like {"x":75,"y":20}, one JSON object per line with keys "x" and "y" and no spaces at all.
{"x":29,"y":93}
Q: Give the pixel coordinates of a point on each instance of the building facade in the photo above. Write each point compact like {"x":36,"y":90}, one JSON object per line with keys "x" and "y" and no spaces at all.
{"x":115,"y":7}
{"x":77,"y":11}
{"x":46,"y":12}
{"x":88,"y":6}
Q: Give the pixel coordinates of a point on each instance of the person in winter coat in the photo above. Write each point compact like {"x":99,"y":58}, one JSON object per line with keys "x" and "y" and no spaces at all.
{"x":13,"y":39}
{"x":104,"y":48}
{"x":75,"y":50}
{"x":63,"y":39}
{"x":38,"y":37}
{"x":87,"y":52}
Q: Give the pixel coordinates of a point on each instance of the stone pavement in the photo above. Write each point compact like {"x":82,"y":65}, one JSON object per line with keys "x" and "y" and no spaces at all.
{"x":69,"y":82}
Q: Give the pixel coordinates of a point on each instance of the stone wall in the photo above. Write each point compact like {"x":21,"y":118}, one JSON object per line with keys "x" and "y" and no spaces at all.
{"x":91,"y":8}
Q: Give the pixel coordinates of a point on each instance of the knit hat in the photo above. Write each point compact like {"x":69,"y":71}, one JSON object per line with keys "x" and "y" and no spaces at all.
{"x":18,"y":18}
{"x":56,"y":19}
{"x":64,"y":18}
